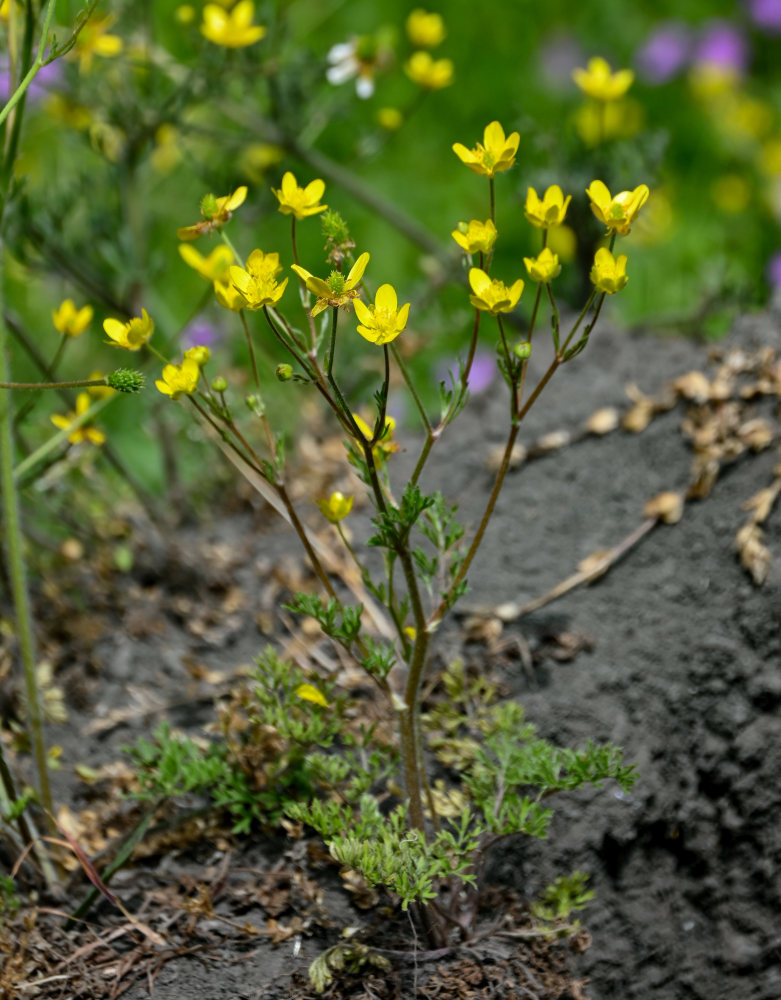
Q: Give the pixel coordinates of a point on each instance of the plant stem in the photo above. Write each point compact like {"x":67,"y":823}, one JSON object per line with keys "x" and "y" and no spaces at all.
{"x":77,"y":384}
{"x":18,"y":577}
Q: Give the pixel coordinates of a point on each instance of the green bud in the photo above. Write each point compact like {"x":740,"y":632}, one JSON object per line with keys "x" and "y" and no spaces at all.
{"x":124,"y":380}
{"x":463,"y":228}
{"x":336,"y":282}
{"x":255,"y":404}
{"x":284,"y":372}
{"x":209,"y":206}
{"x":523,"y":350}
{"x":219,"y":384}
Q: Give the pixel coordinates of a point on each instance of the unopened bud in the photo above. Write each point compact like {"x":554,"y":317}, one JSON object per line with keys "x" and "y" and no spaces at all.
{"x":523,"y":350}
{"x":284,"y":372}
{"x":200,"y":355}
{"x":219,"y":384}
{"x":209,"y":206}
{"x":255,"y":404}
{"x":124,"y":380}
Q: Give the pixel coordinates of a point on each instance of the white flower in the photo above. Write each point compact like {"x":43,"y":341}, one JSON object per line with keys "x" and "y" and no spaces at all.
{"x":346,"y":63}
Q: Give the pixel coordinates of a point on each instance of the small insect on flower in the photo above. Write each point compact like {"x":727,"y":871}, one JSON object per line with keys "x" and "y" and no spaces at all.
{"x":495,"y":154}
{"x":131,"y":335}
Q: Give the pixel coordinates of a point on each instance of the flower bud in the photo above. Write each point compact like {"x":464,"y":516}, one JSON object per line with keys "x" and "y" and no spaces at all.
{"x":209,"y":206}
{"x":124,"y":380}
{"x":523,"y":350}
{"x":219,"y":384}
{"x":255,"y":404}
{"x":200,"y":355}
{"x":284,"y":372}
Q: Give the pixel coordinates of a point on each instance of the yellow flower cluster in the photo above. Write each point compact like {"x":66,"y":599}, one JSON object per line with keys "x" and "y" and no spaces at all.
{"x":258,"y":285}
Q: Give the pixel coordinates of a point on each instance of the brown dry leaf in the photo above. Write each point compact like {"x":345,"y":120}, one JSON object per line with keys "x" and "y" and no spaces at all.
{"x":755,"y":556}
{"x":592,"y":561}
{"x":553,"y":441}
{"x":693,"y":385}
{"x":361,"y":893}
{"x":667,"y":506}
{"x":279,"y":933}
{"x":762,"y":503}
{"x":603,"y":421}
{"x":757,"y":434}
{"x":705,"y":472}
{"x":495,"y":454}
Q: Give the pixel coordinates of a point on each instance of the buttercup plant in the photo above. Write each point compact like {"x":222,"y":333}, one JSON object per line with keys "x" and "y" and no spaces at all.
{"x":430,"y":861}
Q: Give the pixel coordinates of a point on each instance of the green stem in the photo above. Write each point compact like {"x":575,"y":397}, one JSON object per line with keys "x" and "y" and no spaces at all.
{"x":492,"y":195}
{"x":18,"y":577}
{"x":251,"y":350}
{"x":33,"y":71}
{"x":77,"y":384}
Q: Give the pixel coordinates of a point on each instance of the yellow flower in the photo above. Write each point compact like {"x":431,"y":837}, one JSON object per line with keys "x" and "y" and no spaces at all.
{"x":228,"y":296}
{"x":386,"y":445}
{"x":493,"y":296}
{"x":132,"y":335}
{"x":185,"y":13}
{"x":336,"y":290}
{"x":544,"y":267}
{"x":234,"y":29}
{"x":71,"y":321}
{"x":308,"y":692}
{"x":211,"y":268}
{"x":616,"y":212}
{"x":429,"y":73}
{"x":476,"y":236}
{"x":382,"y":321}
{"x":563,"y":242}
{"x":216,"y":212}
{"x":298,"y":201}
{"x":256,"y":159}
{"x":179,"y":380}
{"x":258,"y":284}
{"x":609,"y":273}
{"x":94,"y":41}
{"x":549,"y":210}
{"x":167,"y":152}
{"x":494,"y":154}
{"x":425,"y":30}
{"x":595,"y":123}
{"x":199,"y":354}
{"x":84,"y":432}
{"x":336,"y":507}
{"x":599,"y":82}
{"x":390,"y":119}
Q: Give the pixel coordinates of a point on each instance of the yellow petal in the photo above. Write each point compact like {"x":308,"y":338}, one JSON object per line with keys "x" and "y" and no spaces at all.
{"x":308,"y":692}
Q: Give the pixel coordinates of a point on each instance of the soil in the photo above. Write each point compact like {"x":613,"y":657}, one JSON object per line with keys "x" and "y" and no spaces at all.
{"x":672,"y":654}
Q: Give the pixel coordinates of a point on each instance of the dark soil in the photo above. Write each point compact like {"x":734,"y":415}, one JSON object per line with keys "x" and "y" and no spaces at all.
{"x":673,"y":654}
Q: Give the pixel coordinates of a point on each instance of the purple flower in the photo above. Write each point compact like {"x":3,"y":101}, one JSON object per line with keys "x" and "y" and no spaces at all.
{"x":773,"y":271}
{"x":44,"y":82}
{"x":200,"y":333}
{"x":766,"y":14}
{"x":665,"y":52}
{"x":557,"y":58}
{"x":723,"y":45}
{"x":481,"y":374}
